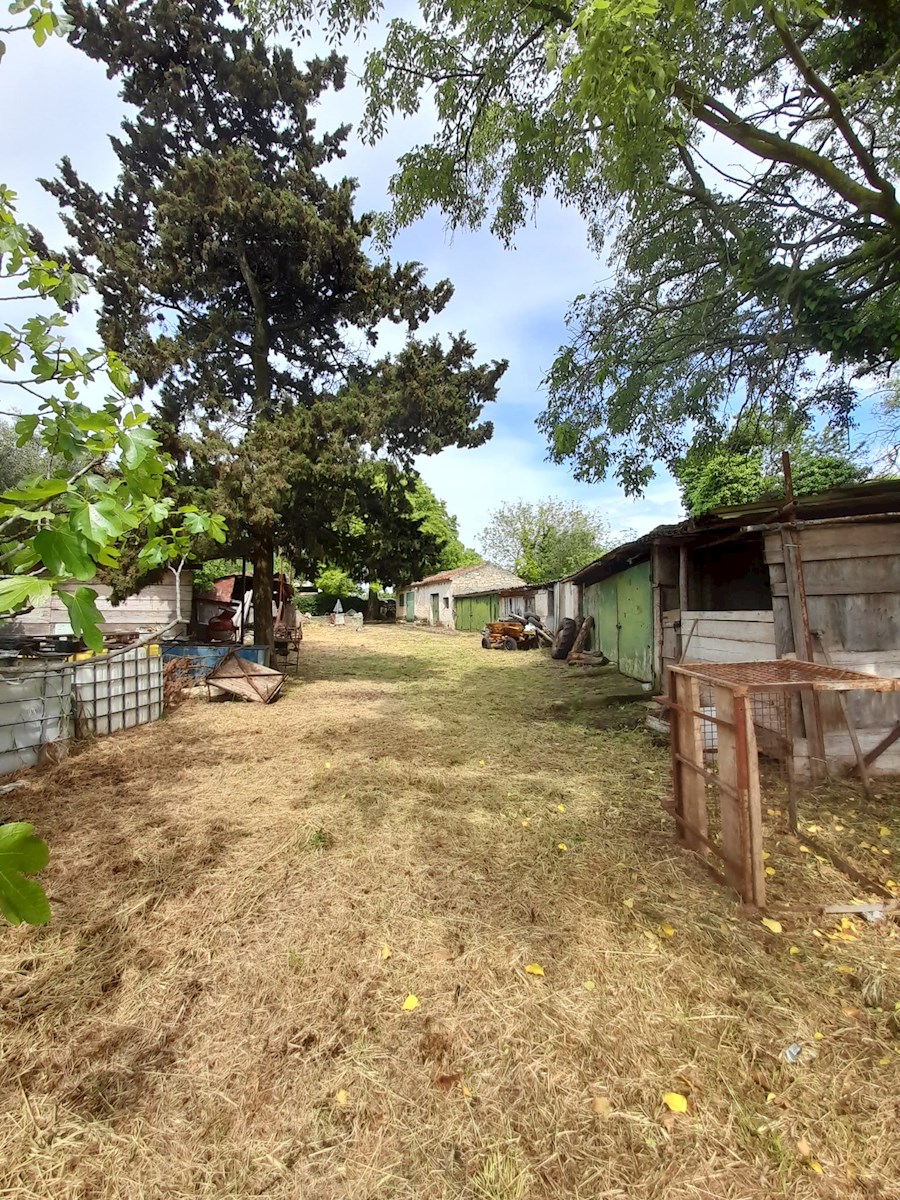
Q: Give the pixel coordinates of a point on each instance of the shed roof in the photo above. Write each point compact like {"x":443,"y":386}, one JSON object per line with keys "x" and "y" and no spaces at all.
{"x":864,"y":499}
{"x":446,"y":576}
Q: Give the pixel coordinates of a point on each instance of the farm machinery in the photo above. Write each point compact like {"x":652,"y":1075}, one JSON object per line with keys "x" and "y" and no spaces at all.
{"x":515,"y":633}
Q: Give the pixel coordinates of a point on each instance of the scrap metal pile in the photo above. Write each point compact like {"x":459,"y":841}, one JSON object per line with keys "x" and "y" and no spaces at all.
{"x":515,"y":632}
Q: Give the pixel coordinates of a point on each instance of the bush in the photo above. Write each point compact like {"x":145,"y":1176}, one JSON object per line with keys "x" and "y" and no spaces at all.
{"x":322,"y":603}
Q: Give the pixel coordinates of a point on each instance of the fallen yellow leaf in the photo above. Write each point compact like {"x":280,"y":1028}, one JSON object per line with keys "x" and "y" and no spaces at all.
{"x":883,"y":831}
{"x":525,"y":823}
{"x":815,"y":1167}
{"x":341,"y":1097}
{"x":844,"y":970}
{"x":385,"y":951}
{"x":561,"y":846}
{"x":327,"y":766}
{"x":465,"y":1091}
{"x":629,"y":903}
{"x":534,"y":969}
{"x":724,"y":927}
{"x":589,"y":985}
{"x":884,"y":1062}
{"x":666,"y":931}
{"x":817,"y":1037}
{"x":772,"y":925}
{"x":794,"y":950}
{"x":770,"y":1097}
{"x":601,"y":1106}
{"x":675,"y":1102}
{"x":770,"y":870}
{"x":481,"y":762}
{"x":410,"y":1003}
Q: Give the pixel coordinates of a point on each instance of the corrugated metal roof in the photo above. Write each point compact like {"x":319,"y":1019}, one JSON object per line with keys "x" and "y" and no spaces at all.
{"x":864,"y":499}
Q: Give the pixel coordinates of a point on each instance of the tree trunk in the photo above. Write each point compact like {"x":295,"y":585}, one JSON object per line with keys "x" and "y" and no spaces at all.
{"x":374,"y":605}
{"x":263,"y":582}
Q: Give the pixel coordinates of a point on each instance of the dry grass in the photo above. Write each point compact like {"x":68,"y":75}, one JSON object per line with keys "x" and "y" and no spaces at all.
{"x":210,"y":1013}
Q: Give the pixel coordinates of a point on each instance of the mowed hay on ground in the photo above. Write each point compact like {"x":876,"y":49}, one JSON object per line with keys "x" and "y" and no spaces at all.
{"x":245,"y":897}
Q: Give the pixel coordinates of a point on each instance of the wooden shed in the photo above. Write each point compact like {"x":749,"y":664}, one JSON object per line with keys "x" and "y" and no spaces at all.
{"x":718,"y":589}
{"x":153,"y":607}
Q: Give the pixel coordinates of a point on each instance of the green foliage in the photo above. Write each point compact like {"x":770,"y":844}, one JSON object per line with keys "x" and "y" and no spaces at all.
{"x":100,"y":474}
{"x":18,"y":461}
{"x":747,"y":467}
{"x":234,"y":280}
{"x":545,"y":541}
{"x":212,"y":569}
{"x":764,"y":271}
{"x":334,"y":582}
{"x":437,"y":524}
{"x":22,"y":854}
{"x":41,"y":20}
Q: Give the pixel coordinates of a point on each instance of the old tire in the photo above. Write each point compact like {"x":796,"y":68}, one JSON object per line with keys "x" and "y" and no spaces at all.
{"x":510,"y":643}
{"x":485,"y":643}
{"x":565,"y":638}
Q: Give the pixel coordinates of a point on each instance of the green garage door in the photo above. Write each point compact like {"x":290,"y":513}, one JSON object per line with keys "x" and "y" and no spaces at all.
{"x":410,"y":605}
{"x":474,"y":612}
{"x":623,"y":620}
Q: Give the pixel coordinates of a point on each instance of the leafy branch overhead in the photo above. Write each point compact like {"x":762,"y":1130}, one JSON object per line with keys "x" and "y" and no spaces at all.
{"x":22,"y":854}
{"x":102,"y":477}
{"x":736,"y":162}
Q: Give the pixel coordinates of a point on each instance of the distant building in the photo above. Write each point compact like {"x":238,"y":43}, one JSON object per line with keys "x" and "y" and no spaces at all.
{"x":433,"y":600}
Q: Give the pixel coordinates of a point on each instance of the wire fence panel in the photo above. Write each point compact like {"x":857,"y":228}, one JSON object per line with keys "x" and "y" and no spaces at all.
{"x":43,"y":705}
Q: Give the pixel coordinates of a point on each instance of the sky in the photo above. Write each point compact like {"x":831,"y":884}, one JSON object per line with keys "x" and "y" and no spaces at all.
{"x":511,"y":302}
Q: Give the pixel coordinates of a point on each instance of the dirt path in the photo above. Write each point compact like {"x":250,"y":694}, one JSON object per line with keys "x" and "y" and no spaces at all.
{"x":245,"y":897}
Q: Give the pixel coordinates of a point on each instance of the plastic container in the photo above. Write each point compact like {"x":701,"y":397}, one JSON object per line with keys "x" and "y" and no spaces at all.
{"x":203,"y":658}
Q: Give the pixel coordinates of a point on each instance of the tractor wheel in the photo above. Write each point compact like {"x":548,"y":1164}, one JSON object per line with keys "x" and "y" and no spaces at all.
{"x":510,"y":643}
{"x":485,"y":643}
{"x":565,"y":638}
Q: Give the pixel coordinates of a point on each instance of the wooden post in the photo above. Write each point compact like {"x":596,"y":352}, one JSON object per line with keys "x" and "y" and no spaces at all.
{"x":751,"y":800}
{"x":243,"y":595}
{"x":683,"y":603}
{"x":861,"y":764}
{"x":732,"y":774}
{"x":802,"y":635}
{"x":689,"y":786}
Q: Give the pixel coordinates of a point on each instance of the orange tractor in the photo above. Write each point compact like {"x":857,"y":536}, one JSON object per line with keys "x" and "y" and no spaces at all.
{"x":514,"y":633}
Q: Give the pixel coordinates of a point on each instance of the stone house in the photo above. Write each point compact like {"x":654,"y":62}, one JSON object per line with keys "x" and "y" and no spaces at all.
{"x":433,"y":600}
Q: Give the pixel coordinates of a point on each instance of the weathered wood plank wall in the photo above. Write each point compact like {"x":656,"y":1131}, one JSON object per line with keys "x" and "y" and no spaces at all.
{"x":852,"y":577}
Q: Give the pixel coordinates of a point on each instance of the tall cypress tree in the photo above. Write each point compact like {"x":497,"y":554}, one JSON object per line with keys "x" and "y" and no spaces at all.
{"x":234,"y":281}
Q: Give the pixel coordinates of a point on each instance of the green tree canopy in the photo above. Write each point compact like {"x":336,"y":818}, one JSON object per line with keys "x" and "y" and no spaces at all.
{"x":395,"y":531}
{"x":16,"y":462}
{"x":234,"y":281}
{"x":747,"y":467}
{"x":736,"y":161}
{"x":545,"y":540}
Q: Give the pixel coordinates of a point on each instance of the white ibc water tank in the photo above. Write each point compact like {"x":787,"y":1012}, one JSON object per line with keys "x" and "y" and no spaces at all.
{"x":35,"y":710}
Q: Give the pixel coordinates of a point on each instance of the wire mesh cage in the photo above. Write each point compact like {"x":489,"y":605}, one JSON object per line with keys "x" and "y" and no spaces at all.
{"x":735,"y":729}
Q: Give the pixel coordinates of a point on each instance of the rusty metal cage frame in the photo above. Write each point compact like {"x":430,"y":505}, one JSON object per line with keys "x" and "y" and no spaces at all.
{"x":735,"y":688}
